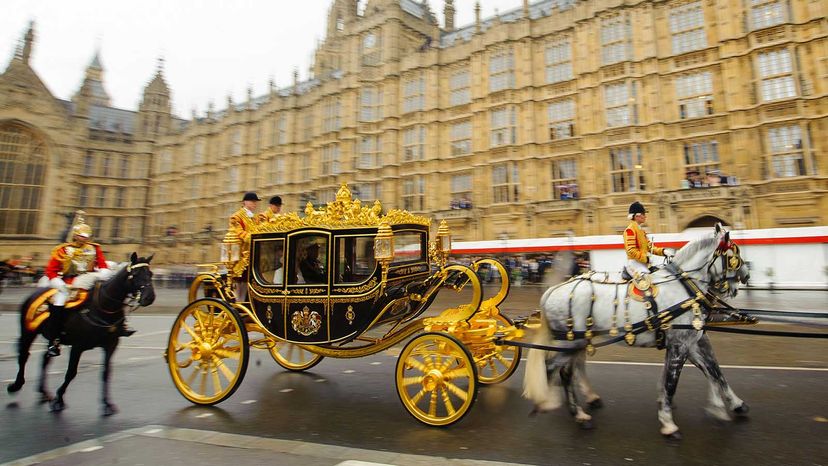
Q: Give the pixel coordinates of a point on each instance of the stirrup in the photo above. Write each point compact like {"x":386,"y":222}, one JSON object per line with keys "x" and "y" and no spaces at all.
{"x":126,"y":331}
{"x":54,"y":349}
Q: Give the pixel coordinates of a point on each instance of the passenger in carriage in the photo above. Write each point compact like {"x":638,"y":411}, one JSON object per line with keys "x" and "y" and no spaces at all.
{"x":274,"y":207}
{"x":310,"y":267}
{"x":78,"y":264}
{"x":240,"y":223}
{"x":637,"y":244}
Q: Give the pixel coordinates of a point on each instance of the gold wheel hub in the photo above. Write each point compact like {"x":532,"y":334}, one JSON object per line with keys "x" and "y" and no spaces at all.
{"x":432,"y":380}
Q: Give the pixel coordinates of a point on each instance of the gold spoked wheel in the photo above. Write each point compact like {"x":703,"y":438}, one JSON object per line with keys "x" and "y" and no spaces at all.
{"x":293,"y":357}
{"x":208,"y":351}
{"x":503,"y":363}
{"x":436,"y":379}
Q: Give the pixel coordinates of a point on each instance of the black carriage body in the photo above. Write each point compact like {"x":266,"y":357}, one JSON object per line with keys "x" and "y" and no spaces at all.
{"x":316,"y":285}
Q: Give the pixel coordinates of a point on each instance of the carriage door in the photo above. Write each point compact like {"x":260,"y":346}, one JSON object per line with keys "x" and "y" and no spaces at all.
{"x":309,"y":278}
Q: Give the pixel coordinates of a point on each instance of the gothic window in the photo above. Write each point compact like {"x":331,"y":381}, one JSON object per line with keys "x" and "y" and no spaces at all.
{"x":564,"y":178}
{"x":460,"y":87}
{"x":687,"y":27}
{"x":776,"y":74}
{"x":414,"y":193}
{"x":370,"y":104}
{"x":414,"y":143}
{"x":305,"y":167}
{"x":619,"y":104}
{"x":626,"y":170}
{"x":88,"y":163}
{"x":124,"y":170}
{"x":371,"y":48}
{"x":766,"y":13}
{"x":505,"y":183}
{"x":370,"y":152}
{"x":236,"y":142}
{"x":330,"y":159}
{"x":695,"y":94}
{"x":700,"y":158}
{"x":558,"y":60}
{"x":414,"y":94}
{"x":277,"y":172}
{"x":461,"y":191}
{"x":331,"y":120}
{"x":786,"y":148}
{"x":23,"y":161}
{"x":83,"y":195}
{"x":502,"y":69}
{"x":504,"y":126}
{"x":460,"y":137}
{"x":106,"y":165}
{"x":561,"y":119}
{"x":615,"y":39}
{"x":281,"y":129}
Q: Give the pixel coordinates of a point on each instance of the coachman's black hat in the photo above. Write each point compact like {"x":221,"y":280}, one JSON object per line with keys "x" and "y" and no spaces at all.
{"x":275,"y":200}
{"x":637,"y":208}
{"x":251,"y":196}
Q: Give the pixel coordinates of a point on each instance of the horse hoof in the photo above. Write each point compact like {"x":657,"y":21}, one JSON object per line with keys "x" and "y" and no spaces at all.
{"x":675,"y":436}
{"x":14,"y":387}
{"x":596,"y":404}
{"x":57,"y":406}
{"x":586,"y":425}
{"x":109,"y":410}
{"x":742,"y":410}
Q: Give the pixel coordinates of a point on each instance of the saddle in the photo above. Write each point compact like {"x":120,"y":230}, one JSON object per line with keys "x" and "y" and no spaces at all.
{"x":38,"y":310}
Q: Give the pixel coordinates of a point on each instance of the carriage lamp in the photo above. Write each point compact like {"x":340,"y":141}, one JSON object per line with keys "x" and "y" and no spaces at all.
{"x":444,"y":241}
{"x":230,"y":249}
{"x":384,"y":250}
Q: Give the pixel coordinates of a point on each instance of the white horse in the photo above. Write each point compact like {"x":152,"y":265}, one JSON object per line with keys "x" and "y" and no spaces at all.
{"x":710,"y":265}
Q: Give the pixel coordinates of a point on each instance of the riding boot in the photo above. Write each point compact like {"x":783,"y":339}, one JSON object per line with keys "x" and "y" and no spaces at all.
{"x":55,"y":326}
{"x":125,"y":330}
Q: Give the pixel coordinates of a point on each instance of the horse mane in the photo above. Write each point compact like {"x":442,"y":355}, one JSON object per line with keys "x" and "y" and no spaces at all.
{"x":690,"y":249}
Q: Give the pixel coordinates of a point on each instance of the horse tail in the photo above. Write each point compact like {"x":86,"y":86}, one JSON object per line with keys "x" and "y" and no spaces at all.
{"x":536,"y":384}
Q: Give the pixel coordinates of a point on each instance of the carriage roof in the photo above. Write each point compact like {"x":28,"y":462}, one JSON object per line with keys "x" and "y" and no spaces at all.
{"x":344,"y":213}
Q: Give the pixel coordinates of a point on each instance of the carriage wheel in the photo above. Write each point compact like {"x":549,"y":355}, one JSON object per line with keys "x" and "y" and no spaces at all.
{"x":293,"y":357}
{"x":436,"y":379}
{"x":208,"y":351}
{"x":503,"y":363}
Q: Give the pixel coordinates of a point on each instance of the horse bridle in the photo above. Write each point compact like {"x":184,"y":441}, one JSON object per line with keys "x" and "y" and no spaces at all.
{"x":731,"y":260}
{"x":135,"y":296}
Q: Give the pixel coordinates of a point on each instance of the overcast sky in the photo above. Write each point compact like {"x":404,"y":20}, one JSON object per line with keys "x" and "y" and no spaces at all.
{"x":212,"y":48}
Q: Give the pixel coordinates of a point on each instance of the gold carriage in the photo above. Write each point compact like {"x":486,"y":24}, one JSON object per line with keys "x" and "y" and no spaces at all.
{"x":345,"y":281}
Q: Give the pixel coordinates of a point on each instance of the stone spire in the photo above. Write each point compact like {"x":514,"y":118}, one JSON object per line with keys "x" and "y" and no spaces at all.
{"x":477,"y":26}
{"x":525,"y":9}
{"x":28,"y":42}
{"x":92,"y":90}
{"x":448,"y":14}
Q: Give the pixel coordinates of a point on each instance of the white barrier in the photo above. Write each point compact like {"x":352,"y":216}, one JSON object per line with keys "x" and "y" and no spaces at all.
{"x":784,"y":257}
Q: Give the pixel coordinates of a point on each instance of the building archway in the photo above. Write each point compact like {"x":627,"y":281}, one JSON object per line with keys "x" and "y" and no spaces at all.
{"x":706,"y":221}
{"x":24,"y":157}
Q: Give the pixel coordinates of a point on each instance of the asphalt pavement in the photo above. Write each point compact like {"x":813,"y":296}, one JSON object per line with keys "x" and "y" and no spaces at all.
{"x":346,"y":412}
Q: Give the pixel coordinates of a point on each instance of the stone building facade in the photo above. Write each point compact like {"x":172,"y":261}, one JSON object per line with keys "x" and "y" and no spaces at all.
{"x":542,"y":121}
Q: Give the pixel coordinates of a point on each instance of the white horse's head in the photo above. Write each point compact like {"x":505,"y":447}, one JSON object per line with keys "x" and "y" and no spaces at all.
{"x":716,"y":261}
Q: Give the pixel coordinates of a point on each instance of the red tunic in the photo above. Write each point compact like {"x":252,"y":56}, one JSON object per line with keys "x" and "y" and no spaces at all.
{"x":70,"y":260}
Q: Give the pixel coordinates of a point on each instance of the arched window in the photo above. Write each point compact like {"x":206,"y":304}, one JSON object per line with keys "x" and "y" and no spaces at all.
{"x":23,"y":157}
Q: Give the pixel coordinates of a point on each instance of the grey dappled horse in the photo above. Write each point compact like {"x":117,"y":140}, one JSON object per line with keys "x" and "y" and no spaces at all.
{"x":712,"y":264}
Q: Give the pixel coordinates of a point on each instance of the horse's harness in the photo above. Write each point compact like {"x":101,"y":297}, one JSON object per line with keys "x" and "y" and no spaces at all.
{"x":133,"y":302}
{"x":731,"y":261}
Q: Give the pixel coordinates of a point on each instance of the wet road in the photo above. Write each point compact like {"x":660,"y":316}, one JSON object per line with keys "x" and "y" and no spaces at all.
{"x":353,"y":403}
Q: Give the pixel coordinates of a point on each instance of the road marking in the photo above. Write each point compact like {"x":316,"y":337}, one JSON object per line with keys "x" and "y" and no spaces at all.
{"x":376,"y":363}
{"x":361,"y":463}
{"x":248,"y":402}
{"x":761,"y":368}
{"x":203,"y":415}
{"x":286,"y":390}
{"x":91,"y":449}
{"x":153,"y":431}
{"x":348,"y":371}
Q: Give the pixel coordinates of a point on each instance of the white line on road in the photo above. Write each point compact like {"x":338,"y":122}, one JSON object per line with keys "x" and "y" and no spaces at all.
{"x":726,"y":366}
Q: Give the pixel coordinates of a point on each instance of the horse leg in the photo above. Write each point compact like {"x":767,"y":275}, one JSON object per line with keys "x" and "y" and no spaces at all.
{"x":45,"y":395}
{"x":23,"y":346}
{"x":71,"y":372}
{"x":567,"y":374}
{"x":674,"y":359}
{"x":723,"y":401}
{"x":593,"y":400}
{"x":108,"y":408}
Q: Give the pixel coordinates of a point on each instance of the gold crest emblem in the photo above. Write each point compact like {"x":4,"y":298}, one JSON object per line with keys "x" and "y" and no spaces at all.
{"x":306,"y":322}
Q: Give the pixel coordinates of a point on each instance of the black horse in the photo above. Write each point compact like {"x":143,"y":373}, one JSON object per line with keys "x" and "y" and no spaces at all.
{"x":95,"y":325}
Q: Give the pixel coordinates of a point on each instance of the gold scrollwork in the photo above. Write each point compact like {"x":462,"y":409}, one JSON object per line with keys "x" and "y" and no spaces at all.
{"x":263,"y":290}
{"x":344,"y":212}
{"x":357,"y":289}
{"x":350,"y":315}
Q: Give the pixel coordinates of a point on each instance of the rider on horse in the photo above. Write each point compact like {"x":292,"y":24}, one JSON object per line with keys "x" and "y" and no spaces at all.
{"x":637,"y":244}
{"x":72,"y":265}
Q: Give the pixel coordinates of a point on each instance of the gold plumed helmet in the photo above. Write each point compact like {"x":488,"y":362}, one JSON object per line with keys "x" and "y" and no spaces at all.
{"x":79,"y":227}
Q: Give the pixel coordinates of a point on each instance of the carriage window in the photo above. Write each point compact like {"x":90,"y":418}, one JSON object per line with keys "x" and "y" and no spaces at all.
{"x":310,"y":264}
{"x":355,"y":259}
{"x":407,"y":246}
{"x":269,"y":261}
